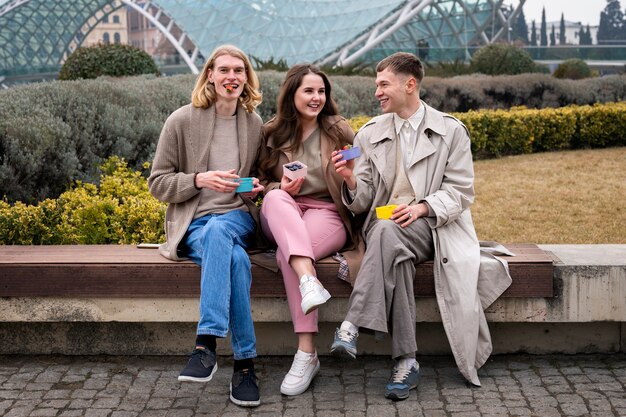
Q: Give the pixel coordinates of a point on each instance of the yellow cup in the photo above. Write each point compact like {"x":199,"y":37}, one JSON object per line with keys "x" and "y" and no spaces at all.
{"x":384,"y":212}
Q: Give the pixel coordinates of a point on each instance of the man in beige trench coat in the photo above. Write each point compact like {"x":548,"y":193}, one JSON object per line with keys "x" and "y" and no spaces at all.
{"x":418,"y":159}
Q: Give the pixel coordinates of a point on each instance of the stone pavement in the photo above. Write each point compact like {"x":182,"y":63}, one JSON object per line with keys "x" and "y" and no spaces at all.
{"x":123,"y":386}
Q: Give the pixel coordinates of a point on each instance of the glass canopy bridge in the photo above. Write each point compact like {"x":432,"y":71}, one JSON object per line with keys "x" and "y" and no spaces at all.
{"x":37,"y":35}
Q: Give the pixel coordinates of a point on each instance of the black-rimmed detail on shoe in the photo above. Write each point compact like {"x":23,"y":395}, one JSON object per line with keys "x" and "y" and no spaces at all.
{"x":200,"y":367}
{"x":244,"y":388}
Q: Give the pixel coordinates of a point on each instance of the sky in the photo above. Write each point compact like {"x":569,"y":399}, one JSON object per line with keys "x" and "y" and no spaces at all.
{"x":585,"y":11}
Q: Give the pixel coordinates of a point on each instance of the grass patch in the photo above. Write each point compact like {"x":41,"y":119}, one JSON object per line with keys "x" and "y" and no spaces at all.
{"x":571,"y":197}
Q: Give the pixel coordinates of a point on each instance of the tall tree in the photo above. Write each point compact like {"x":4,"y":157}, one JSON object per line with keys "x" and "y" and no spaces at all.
{"x":582,"y":36}
{"x":553,"y":37}
{"x":533,"y":34}
{"x":588,"y":36}
{"x":543,"y":32}
{"x":520,"y":28}
{"x":562,"y":30}
{"x":611,"y":29}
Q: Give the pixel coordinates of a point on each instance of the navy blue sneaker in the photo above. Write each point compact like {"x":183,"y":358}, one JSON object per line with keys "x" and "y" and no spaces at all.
{"x":344,"y":343}
{"x":401,"y":382}
{"x":200,"y":367}
{"x":244,"y":388}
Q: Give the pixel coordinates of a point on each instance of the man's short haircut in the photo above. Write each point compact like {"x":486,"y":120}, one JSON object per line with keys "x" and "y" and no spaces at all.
{"x":403,"y":63}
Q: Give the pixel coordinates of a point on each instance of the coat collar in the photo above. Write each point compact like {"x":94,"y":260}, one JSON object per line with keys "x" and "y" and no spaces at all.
{"x":385,"y":129}
{"x":384,"y":140}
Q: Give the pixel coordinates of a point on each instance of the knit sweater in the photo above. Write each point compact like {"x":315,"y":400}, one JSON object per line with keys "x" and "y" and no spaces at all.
{"x":183,"y":150}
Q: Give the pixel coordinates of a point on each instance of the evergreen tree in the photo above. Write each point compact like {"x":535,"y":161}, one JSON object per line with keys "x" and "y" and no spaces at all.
{"x":581,"y":35}
{"x":533,"y":35}
{"x":552,"y":37}
{"x":603,"y":28}
{"x":543,"y":32}
{"x":562,"y":31}
{"x":520,"y":28}
{"x":612,"y":27}
{"x":588,"y":36}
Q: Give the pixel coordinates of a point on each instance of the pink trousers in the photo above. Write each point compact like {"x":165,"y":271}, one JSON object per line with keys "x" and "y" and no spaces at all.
{"x":300,"y":226}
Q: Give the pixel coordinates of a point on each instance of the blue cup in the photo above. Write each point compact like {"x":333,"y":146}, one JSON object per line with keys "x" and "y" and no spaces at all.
{"x":245,"y":185}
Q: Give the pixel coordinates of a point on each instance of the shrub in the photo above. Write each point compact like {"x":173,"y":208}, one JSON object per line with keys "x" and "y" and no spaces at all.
{"x":447,"y":69}
{"x":574,"y":69}
{"x":498,"y":59}
{"x":115,"y":60}
{"x":357,"y":122}
{"x":121,"y":211}
{"x":520,"y":130}
{"x":52,"y":134}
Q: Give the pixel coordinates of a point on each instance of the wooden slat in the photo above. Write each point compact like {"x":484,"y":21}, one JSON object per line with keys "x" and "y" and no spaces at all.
{"x":126,"y":271}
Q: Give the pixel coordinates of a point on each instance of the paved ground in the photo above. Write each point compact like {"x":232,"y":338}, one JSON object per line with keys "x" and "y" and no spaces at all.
{"x":513,"y":385}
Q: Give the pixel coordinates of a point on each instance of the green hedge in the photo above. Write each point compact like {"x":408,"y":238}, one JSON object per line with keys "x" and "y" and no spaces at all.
{"x":119,"y":210}
{"x":520,"y":130}
{"x":52,"y":134}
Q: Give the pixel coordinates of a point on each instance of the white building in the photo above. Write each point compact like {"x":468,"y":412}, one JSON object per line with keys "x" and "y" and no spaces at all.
{"x":572,"y":30}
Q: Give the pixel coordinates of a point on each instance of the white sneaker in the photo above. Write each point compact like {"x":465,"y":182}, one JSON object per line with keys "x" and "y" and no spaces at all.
{"x":313,"y":294}
{"x":304,"y":367}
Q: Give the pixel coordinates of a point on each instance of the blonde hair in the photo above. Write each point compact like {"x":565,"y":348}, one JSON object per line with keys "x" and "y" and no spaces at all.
{"x":204,"y":96}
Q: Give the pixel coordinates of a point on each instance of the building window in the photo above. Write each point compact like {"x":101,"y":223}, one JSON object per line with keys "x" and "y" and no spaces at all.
{"x":117,"y":38}
{"x":105,"y":19}
{"x":105,"y":38}
{"x":116,"y":19}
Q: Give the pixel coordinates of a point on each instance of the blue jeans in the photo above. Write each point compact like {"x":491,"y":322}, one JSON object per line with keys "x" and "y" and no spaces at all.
{"x":217,"y":242}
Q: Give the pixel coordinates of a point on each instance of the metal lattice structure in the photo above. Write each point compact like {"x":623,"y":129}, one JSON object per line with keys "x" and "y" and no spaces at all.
{"x":37,"y":35}
{"x":449,"y":27}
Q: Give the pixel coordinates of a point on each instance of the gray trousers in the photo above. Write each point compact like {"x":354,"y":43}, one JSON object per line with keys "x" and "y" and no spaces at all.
{"x":382,"y":298}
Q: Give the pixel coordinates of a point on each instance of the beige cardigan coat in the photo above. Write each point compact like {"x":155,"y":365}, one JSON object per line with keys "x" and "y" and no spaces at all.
{"x":441,"y":174}
{"x":182,"y":151}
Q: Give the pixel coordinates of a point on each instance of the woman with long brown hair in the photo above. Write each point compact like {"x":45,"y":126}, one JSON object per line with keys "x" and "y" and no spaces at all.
{"x":304,"y":215}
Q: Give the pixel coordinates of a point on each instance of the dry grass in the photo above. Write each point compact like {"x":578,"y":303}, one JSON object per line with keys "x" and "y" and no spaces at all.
{"x":560,"y":197}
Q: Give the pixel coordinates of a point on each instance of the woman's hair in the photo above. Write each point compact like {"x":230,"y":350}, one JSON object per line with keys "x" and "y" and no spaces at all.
{"x":286,"y":126}
{"x":204,"y":95}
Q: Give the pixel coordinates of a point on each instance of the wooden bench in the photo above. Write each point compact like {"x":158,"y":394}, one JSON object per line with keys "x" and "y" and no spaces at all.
{"x":128,"y":271}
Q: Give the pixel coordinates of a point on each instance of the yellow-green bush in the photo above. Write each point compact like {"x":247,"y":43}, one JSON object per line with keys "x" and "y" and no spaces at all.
{"x":521,"y":130}
{"x":357,"y":122}
{"x":121,"y":210}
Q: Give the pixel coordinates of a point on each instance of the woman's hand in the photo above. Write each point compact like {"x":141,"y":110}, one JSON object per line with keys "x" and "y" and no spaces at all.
{"x":256,"y":189}
{"x":291,"y":187}
{"x":345,"y":169}
{"x":220,"y":181}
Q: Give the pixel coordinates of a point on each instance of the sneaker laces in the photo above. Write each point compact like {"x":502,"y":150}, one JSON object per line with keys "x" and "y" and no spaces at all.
{"x":202,"y":355}
{"x":299,"y":365}
{"x":346,"y":336}
{"x":196,"y":352}
{"x":246,"y":376}
{"x":309,"y":285}
{"x":399,"y":375}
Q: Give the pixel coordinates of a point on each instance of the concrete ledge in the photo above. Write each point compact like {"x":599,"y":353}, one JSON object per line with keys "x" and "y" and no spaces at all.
{"x":587,"y":314}
{"x":589,"y":286}
{"x":113,"y":338}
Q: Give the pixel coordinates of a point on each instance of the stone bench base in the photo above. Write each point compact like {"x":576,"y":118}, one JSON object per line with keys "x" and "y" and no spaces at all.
{"x":585,"y":314}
